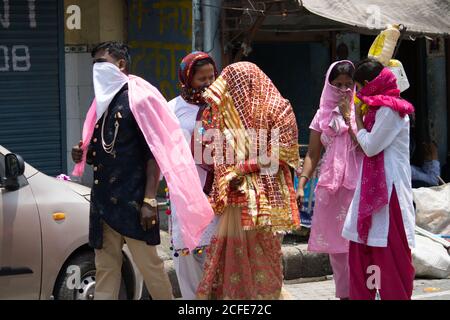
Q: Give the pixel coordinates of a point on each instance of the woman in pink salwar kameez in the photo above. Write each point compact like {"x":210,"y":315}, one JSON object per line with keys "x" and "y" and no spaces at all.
{"x":332,"y":128}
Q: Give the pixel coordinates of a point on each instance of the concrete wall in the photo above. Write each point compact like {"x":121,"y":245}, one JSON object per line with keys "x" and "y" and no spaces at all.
{"x":101,"y":20}
{"x":79,"y":95}
{"x":160,"y":36}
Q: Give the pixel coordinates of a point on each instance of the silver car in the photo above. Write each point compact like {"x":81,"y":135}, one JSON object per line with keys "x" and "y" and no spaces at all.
{"x":44,"y":225}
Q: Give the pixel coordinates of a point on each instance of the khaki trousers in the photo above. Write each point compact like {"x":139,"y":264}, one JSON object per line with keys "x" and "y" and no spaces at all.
{"x":108,"y":262}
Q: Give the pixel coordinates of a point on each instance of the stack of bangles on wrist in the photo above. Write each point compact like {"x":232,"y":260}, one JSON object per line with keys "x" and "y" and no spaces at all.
{"x":307,"y":178}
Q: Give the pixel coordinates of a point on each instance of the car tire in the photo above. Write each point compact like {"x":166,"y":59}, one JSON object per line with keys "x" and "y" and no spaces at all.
{"x":85,"y":261}
{"x":145,"y":294}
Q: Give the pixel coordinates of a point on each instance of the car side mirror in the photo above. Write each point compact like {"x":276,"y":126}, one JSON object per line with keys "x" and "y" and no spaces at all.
{"x":14,"y":168}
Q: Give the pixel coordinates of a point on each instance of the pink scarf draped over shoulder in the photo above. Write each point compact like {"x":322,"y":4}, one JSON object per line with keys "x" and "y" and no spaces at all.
{"x":380,"y":92}
{"x":165,"y":139}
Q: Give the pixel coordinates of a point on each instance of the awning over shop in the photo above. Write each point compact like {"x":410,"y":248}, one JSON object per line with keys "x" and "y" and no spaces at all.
{"x":421,"y":17}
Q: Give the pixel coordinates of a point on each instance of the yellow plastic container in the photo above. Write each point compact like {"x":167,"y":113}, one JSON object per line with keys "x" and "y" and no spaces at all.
{"x":383,"y":47}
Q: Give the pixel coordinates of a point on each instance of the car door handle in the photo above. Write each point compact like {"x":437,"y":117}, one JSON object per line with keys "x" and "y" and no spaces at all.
{"x":10,"y":271}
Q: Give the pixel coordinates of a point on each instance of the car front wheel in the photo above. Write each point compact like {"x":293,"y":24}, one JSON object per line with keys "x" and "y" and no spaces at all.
{"x":67,"y":286}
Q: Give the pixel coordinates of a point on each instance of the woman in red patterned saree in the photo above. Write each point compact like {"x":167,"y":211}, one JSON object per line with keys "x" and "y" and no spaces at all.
{"x":253,"y":195}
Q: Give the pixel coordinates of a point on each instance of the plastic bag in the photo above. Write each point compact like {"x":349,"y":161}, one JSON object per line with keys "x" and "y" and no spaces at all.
{"x":433,"y":209}
{"x":430,"y":259}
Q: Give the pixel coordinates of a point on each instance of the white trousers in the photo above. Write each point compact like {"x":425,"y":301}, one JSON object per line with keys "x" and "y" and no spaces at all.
{"x":189,"y":271}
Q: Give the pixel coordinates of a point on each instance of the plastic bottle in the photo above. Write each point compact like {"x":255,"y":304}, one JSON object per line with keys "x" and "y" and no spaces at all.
{"x":384,"y":45}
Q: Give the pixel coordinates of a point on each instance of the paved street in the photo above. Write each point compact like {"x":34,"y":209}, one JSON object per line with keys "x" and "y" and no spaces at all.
{"x":318,"y":288}
{"x":323,"y":289}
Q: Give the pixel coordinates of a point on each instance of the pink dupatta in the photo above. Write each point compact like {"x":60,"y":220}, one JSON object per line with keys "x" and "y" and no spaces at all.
{"x":380,"y":92}
{"x":165,"y":139}
{"x":340,"y":165}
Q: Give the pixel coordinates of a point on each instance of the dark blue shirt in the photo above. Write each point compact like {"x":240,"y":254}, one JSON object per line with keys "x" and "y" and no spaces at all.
{"x":119,"y":178}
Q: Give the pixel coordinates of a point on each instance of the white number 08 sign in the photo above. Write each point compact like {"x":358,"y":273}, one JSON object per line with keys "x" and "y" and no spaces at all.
{"x":16,"y":58}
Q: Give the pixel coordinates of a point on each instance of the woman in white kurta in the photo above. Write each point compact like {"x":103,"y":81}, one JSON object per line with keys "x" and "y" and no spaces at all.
{"x":197,"y":71}
{"x":380,"y":222}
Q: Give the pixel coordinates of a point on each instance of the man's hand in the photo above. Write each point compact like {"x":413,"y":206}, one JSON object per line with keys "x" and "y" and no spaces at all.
{"x":149,"y":217}
{"x":77,"y":152}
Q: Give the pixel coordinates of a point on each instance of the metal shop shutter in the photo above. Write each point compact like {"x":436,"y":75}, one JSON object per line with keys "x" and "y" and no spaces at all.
{"x":31,"y":54}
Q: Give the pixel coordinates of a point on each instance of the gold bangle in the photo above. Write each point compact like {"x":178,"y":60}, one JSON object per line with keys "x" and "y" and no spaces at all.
{"x":307,"y":178}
